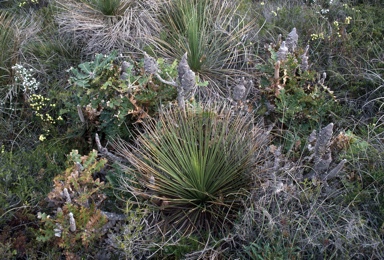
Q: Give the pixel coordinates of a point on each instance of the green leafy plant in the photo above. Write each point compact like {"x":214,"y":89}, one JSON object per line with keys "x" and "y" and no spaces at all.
{"x":110,"y":97}
{"x":294,"y":95}
{"x":5,"y":250}
{"x":22,"y":175}
{"x":89,"y":71}
{"x":180,"y":246}
{"x":194,"y":165}
{"x":365,"y":180}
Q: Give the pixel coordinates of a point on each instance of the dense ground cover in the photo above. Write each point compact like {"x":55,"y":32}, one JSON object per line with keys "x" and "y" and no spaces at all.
{"x":204,"y":129}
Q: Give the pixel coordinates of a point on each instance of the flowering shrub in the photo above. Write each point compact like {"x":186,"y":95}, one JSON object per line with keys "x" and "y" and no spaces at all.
{"x":41,"y":107}
{"x":23,"y":83}
{"x":22,"y":95}
{"x":25,"y":79}
{"x":337,"y":26}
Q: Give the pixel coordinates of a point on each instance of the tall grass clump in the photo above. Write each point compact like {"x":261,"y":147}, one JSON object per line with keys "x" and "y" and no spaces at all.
{"x":194,"y":165}
{"x":17,"y":80}
{"x":101,"y":26}
{"x":366,"y":154}
{"x":16,"y":31}
{"x":49,"y":53}
{"x":214,"y":33}
{"x":6,"y":43}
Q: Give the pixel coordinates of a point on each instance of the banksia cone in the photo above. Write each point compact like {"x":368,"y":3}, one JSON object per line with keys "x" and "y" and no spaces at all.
{"x":323,"y":77}
{"x":323,"y":142}
{"x":124,"y":68}
{"x":238,"y":92}
{"x":283,"y":51}
{"x":67,"y":196}
{"x":150,"y":64}
{"x":304,"y":60}
{"x":187,"y":78}
{"x":183,"y":66}
{"x":72,"y":222}
{"x":292,"y":39}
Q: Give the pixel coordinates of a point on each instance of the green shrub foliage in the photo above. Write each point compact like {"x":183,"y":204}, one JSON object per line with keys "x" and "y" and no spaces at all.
{"x":112,"y":96}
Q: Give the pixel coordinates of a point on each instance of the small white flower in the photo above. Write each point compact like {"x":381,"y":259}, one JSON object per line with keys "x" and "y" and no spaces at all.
{"x":42,"y":138}
{"x":324,"y":11}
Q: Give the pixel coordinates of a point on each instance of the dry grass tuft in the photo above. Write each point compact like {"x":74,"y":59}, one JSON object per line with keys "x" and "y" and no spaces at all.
{"x":129,"y":27}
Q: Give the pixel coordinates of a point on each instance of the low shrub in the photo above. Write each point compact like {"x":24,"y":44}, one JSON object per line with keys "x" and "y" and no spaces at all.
{"x":77,"y":196}
{"x":111,"y":96}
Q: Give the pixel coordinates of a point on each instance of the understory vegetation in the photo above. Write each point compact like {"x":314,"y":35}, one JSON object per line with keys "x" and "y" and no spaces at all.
{"x":201,"y":129}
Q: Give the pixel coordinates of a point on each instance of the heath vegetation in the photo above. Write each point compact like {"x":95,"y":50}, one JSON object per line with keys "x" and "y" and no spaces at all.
{"x":171,"y":129}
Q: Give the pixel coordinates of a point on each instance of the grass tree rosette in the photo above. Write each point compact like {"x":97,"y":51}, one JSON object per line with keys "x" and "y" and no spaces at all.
{"x":214,"y":33}
{"x":195,"y":165}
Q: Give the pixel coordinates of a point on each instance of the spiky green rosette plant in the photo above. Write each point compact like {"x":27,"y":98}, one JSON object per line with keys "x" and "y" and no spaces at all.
{"x":212,"y":32}
{"x":195,"y":165}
